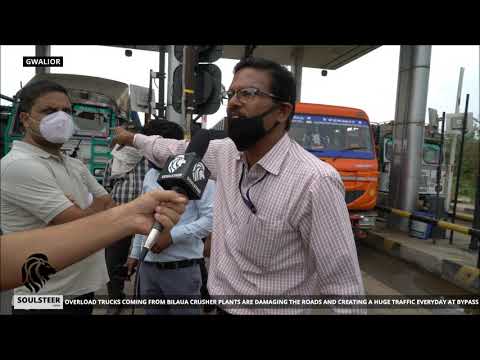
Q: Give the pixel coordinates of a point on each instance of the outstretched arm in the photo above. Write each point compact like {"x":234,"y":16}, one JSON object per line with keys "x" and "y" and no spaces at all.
{"x":71,"y":242}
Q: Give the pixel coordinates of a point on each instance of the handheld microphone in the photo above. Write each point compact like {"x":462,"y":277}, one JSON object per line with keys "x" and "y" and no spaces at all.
{"x":185,"y":174}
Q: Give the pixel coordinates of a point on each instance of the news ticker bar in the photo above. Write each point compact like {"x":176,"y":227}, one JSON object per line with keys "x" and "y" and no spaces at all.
{"x":29,"y":302}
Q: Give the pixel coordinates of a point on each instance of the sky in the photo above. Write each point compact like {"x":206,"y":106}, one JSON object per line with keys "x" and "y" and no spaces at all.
{"x":368,"y":83}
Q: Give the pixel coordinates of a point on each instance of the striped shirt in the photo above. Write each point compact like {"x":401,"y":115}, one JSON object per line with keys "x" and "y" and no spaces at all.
{"x":126,"y":187}
{"x":299,"y":242}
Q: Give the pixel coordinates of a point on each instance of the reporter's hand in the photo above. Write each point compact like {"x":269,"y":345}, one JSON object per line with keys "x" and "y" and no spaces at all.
{"x":131,"y":265}
{"x":122,"y":137}
{"x":166,"y":207}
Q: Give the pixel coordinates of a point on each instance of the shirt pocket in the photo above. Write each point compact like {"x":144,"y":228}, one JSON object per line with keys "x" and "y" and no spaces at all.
{"x":262,"y":241}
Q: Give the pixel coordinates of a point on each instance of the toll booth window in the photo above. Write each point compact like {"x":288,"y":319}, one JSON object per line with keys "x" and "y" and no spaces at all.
{"x":431,"y":154}
{"x":90,"y":123}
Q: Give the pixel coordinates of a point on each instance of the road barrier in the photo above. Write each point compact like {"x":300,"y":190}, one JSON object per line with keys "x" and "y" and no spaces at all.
{"x":436,"y":222}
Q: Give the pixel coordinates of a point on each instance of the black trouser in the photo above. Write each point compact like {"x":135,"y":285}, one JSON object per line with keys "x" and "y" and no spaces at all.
{"x":67,"y":309}
{"x":204,"y":273}
{"x":115,"y":256}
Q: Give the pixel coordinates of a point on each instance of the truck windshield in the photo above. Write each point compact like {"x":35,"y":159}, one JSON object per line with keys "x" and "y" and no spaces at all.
{"x":91,"y":121}
{"x":431,"y":152}
{"x":331,"y":135}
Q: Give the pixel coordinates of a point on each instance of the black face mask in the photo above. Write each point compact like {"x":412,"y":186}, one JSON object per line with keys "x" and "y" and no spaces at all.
{"x":246,"y":132}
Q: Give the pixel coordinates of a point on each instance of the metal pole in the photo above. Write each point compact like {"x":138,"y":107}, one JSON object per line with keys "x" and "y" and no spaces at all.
{"x":297,"y":60}
{"x":474,"y":240}
{"x":439,"y":171}
{"x":412,"y":90}
{"x":453,"y":148}
{"x":172,"y":115}
{"x":457,"y":185}
{"x":161,"y":83}
{"x":147,"y":115}
{"x":7,"y":98}
{"x":188,"y":97}
{"x":459,"y":90}
{"x":0,"y":69}
{"x":42,"y":50}
{"x":451,"y":167}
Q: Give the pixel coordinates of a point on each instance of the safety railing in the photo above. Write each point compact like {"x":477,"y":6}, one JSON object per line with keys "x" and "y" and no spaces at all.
{"x":435,"y":222}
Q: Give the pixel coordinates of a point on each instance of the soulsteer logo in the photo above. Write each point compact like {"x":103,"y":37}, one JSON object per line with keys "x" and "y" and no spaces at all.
{"x":36,"y":272}
{"x":38,"y":302}
{"x":42,"y":61}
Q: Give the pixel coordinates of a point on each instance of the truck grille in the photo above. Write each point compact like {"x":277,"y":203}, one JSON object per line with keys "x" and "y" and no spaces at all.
{"x":351,"y":196}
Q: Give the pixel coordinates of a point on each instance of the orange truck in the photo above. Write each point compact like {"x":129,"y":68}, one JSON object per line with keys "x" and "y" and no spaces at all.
{"x":343,"y":137}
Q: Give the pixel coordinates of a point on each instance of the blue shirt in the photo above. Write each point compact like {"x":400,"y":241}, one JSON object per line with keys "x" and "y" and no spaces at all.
{"x":195,"y":224}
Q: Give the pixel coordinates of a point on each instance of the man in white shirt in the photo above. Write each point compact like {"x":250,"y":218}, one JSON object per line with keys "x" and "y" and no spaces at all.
{"x":40,"y":186}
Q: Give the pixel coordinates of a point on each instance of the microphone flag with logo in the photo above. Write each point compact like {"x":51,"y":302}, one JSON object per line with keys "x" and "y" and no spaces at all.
{"x":185,"y":174}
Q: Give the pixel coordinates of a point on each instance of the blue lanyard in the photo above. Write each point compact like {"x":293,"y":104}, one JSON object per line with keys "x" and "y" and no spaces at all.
{"x":248,"y":201}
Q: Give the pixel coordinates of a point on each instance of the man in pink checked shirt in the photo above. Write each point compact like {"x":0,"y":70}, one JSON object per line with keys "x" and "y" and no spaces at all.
{"x":281,"y":226}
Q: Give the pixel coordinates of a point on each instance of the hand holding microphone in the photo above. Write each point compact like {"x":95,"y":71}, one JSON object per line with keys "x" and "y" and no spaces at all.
{"x":184,"y":174}
{"x":155,"y":206}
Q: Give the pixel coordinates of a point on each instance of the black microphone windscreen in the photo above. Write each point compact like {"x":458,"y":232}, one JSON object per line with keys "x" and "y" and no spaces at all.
{"x":199,"y":143}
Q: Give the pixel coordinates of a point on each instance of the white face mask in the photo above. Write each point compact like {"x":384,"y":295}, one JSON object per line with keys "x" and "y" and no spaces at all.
{"x":57,"y":127}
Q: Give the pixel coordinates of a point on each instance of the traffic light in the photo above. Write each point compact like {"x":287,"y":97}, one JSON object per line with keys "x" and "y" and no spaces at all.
{"x":207,"y":80}
{"x":206,"y":53}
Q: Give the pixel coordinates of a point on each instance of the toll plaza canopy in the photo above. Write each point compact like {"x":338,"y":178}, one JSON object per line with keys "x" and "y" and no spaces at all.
{"x":329,"y":57}
{"x":116,"y":91}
